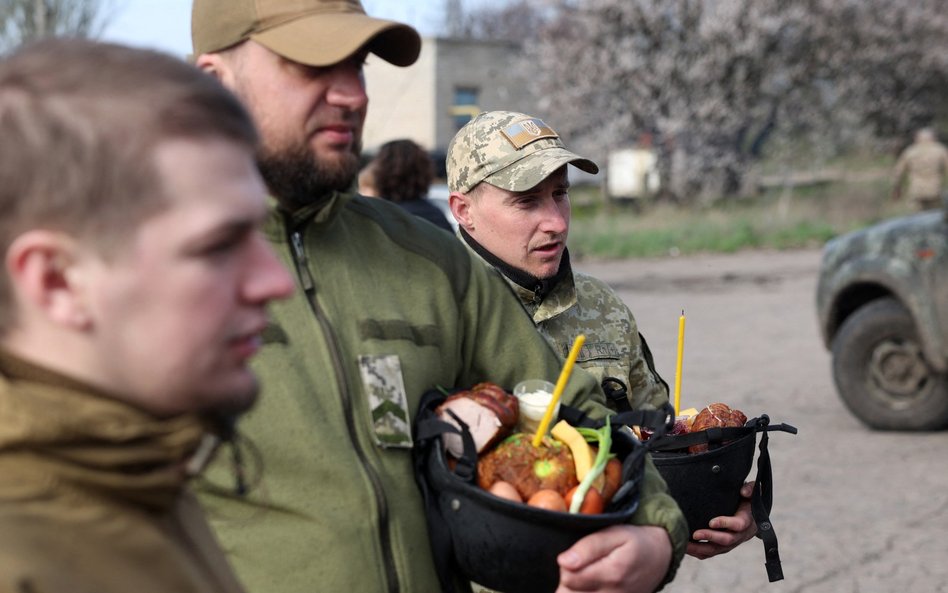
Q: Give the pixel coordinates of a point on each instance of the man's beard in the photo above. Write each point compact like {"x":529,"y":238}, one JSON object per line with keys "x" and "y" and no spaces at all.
{"x":297,"y":179}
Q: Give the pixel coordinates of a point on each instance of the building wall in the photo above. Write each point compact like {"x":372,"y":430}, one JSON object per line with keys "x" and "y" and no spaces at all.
{"x":401,"y":101}
{"x":416,"y":102}
{"x":484,"y":65}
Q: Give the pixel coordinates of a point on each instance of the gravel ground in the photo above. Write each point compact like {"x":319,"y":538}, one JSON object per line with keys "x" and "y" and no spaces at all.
{"x":854,"y":510}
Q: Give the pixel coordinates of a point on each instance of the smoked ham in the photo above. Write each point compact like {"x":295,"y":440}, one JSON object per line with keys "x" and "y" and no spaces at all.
{"x":489,"y":412}
{"x":716,"y":415}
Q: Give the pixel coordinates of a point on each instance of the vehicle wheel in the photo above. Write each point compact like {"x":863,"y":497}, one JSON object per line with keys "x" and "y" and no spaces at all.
{"x":881,"y":374}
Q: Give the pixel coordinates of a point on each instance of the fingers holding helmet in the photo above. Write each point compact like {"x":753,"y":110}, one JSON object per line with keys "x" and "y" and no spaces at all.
{"x":725,"y":533}
{"x":627,"y":558}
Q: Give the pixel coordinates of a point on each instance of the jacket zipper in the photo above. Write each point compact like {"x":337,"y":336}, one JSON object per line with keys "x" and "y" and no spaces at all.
{"x":309,"y":287}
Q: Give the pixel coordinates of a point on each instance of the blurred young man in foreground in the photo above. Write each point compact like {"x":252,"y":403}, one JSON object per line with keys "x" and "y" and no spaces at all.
{"x":132,"y":296}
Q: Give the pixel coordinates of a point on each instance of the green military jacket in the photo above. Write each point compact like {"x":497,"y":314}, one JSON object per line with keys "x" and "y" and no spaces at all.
{"x":581,"y":304}
{"x":388,"y":307}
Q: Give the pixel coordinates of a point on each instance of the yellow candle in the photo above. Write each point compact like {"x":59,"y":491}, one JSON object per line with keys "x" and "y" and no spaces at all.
{"x":558,"y":390}
{"x":681,"y":349}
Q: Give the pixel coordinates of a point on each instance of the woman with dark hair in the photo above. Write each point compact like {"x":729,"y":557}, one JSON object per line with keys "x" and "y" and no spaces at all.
{"x":402,"y":172}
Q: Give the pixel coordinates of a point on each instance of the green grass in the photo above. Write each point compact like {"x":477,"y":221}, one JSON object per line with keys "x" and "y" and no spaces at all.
{"x":780,"y":218}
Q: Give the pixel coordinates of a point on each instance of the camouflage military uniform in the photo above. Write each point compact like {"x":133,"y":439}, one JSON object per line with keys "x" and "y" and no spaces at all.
{"x":581,"y":304}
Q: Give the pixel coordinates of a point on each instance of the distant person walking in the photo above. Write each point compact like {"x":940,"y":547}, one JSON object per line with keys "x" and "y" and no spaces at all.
{"x":402,"y":172}
{"x":925,"y":164}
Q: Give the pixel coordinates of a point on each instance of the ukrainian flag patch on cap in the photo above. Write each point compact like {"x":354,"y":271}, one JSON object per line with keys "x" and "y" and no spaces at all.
{"x":526,"y":131}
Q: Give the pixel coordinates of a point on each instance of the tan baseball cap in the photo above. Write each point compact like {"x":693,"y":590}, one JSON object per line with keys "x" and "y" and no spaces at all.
{"x":312,"y":32}
{"x":510,"y":150}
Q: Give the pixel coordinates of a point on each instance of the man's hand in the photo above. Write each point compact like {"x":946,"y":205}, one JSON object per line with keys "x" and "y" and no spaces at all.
{"x":727,"y":532}
{"x":626,"y":558}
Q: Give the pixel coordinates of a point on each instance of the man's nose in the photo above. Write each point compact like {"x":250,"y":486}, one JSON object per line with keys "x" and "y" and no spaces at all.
{"x":555,"y":217}
{"x":347,"y":86}
{"x":268,"y":278}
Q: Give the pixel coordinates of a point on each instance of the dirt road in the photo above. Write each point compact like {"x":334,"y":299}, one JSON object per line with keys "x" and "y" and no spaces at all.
{"x":854,"y":510}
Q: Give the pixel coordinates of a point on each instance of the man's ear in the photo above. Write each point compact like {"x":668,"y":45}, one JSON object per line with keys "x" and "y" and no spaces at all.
{"x":215,"y":65}
{"x":44,"y":271}
{"x":461,"y":209}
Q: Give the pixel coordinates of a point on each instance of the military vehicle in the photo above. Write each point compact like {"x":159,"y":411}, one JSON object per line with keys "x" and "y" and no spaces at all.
{"x":882,"y":303}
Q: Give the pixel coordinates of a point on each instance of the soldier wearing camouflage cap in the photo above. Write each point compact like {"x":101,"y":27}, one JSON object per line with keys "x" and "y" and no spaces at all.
{"x":509,"y":184}
{"x":509,"y":150}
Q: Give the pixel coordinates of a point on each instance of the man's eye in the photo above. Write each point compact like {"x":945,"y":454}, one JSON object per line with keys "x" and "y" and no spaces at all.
{"x":313,"y":71}
{"x":223,"y":246}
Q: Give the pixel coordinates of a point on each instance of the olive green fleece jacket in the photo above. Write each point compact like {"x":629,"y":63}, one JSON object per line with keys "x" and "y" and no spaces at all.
{"x":333,"y":510}
{"x":93,"y":493}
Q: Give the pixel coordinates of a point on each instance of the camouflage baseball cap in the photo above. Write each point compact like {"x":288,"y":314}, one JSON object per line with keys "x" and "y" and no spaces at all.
{"x":510,"y":150}
{"x":312,"y":32}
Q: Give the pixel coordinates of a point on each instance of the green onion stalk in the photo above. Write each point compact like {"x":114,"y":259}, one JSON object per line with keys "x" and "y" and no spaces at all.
{"x":602,"y":436}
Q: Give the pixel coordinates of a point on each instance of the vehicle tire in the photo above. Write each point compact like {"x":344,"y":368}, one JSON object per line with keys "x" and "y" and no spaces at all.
{"x":881,"y":373}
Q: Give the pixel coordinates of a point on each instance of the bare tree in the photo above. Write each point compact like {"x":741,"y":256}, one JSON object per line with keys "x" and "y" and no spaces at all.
{"x":713,"y":81}
{"x":893,"y":61}
{"x":26,"y":20}
{"x":508,"y":20}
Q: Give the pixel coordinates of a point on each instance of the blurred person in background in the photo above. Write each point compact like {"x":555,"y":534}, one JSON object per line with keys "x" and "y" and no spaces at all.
{"x":922,"y":166}
{"x":402,"y":172}
{"x":132,"y":297}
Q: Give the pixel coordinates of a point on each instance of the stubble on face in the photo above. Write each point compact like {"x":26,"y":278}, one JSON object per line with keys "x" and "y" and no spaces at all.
{"x":288,"y":163}
{"x":297,"y":178}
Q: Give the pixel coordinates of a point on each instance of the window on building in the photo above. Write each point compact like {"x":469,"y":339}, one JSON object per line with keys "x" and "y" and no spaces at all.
{"x":465,"y":105}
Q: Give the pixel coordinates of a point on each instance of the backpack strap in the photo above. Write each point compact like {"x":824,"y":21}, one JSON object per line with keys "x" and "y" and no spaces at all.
{"x":713,"y":437}
{"x":617,"y":394}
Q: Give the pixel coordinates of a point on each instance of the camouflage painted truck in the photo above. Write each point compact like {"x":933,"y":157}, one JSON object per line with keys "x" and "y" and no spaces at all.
{"x":882,"y":302}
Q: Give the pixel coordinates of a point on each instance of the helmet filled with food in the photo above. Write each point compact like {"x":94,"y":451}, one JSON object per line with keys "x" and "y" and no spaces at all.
{"x":502,"y":507}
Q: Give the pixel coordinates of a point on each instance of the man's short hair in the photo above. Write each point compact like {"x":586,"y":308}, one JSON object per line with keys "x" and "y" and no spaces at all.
{"x":79,"y":122}
{"x":925,"y":135}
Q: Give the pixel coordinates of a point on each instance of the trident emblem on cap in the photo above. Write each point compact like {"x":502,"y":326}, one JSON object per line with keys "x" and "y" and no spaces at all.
{"x":531,"y":127}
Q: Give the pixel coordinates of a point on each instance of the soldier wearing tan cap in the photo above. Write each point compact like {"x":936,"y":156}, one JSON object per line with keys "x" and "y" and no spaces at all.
{"x":509,"y":182}
{"x":387,"y":309}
